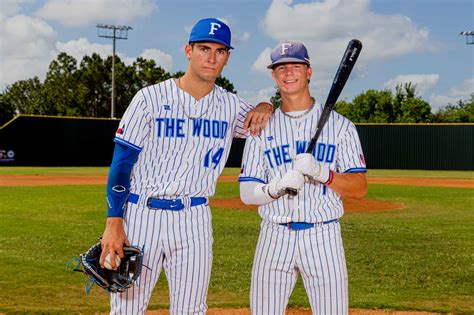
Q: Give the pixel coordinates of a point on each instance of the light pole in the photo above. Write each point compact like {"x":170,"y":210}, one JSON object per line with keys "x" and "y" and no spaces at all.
{"x":469,"y":37}
{"x":114,"y":32}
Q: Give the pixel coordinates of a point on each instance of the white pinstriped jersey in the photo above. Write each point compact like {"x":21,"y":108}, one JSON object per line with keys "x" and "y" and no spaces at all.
{"x":180,"y":156}
{"x":271,"y":154}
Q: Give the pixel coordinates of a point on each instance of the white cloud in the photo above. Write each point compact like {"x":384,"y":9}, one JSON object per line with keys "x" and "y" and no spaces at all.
{"x":29,"y":50}
{"x":90,"y":12}
{"x":11,"y":7}
{"x":262,"y":61}
{"x":33,"y":46}
{"x":81,"y":47}
{"x":453,"y":95}
{"x":162,"y":59}
{"x":240,"y":38}
{"x":325,"y":27}
{"x":424,"y":82}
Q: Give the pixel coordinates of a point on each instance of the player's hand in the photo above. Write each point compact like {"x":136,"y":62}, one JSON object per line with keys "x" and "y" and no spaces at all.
{"x":291,"y":180}
{"x":113,"y":240}
{"x":308,"y":166}
{"x":257,"y":118}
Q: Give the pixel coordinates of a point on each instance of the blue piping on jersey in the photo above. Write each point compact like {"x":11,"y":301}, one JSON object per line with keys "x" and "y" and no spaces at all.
{"x":356,"y":170}
{"x":251,"y":179}
{"x":118,"y":183}
{"x":128,"y":144}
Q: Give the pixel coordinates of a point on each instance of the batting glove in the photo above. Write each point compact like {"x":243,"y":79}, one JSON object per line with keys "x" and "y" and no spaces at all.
{"x":308,"y":166}
{"x":292,"y":179}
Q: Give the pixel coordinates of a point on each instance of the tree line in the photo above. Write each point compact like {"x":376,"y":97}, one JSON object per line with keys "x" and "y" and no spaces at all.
{"x":84,"y":89}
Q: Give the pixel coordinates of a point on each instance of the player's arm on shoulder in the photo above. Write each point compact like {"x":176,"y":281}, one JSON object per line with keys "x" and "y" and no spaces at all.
{"x":118,"y":188}
{"x":257,"y":119}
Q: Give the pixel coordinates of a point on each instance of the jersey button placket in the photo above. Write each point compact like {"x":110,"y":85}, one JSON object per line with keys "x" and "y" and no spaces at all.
{"x":300,"y":196}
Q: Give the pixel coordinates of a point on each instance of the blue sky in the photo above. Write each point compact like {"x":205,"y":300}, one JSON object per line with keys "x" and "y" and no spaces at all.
{"x":415,"y":40}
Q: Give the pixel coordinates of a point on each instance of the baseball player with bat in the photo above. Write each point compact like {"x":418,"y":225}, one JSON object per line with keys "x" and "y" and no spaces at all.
{"x":300,"y":233}
{"x":171,"y":145}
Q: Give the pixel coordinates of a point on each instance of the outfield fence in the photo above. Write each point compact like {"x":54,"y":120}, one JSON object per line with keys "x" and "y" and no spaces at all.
{"x":71,"y":141}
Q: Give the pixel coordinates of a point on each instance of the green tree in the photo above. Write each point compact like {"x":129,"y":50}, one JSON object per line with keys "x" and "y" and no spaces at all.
{"x":346,"y":109}
{"x":7,"y":111}
{"x":26,"y":97}
{"x":276,"y":99}
{"x":93,"y":87}
{"x":60,"y":85}
{"x":148,"y":73}
{"x":373,"y":106}
{"x":224,"y":83}
{"x":462,"y":112}
{"x":84,"y":90}
{"x":408,"y":107}
{"x":126,"y":85}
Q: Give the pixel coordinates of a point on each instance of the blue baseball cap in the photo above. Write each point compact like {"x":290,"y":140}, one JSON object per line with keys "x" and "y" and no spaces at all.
{"x":287,"y":52}
{"x":211,"y":30}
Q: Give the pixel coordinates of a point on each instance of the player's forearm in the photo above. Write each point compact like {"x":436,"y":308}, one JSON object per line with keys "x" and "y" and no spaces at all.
{"x":118,"y":182}
{"x":251,"y":193}
{"x":351,"y":185}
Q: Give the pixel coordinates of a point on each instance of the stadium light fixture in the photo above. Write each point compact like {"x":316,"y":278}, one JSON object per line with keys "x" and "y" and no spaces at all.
{"x":115,"y":32}
{"x":469,"y":37}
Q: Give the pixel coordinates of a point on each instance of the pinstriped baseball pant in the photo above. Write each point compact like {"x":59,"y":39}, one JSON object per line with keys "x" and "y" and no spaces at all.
{"x":180,"y":242}
{"x":281,"y":254}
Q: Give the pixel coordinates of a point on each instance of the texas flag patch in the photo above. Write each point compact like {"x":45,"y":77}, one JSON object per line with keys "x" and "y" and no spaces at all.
{"x":120,"y":130}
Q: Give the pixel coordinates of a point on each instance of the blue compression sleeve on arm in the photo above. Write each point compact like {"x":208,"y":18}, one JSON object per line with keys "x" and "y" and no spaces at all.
{"x":118,"y":183}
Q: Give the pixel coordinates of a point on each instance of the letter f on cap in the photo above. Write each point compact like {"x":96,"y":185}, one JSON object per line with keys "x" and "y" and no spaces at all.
{"x":284,"y":48}
{"x":214,"y":27}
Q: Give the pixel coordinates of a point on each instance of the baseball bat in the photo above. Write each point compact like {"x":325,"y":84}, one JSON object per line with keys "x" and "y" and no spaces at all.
{"x":342,"y":74}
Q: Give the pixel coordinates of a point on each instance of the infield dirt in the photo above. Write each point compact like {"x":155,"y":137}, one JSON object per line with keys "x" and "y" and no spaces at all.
{"x":55,"y":180}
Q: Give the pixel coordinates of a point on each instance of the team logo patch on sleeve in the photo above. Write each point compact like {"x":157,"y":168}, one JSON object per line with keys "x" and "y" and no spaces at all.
{"x":362,"y":158}
{"x":120,"y":130}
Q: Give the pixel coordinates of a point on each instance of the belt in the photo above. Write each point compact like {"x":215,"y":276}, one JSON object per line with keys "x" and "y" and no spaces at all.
{"x":297,"y":226}
{"x":168,"y":204}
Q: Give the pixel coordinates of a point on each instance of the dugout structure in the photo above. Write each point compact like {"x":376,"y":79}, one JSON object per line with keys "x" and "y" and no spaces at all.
{"x":71,"y":141}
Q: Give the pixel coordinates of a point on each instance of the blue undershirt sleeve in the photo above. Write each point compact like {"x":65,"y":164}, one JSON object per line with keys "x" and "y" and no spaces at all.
{"x":118,"y":183}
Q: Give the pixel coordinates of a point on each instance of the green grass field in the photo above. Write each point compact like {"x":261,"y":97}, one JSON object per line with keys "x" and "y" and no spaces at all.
{"x":417,"y":258}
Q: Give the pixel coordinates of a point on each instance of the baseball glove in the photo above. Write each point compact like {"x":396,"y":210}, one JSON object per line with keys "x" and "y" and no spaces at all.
{"x":111,"y":280}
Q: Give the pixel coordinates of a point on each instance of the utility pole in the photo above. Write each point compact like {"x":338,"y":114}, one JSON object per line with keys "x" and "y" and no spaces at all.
{"x":114,"y":32}
{"x":469,"y":37}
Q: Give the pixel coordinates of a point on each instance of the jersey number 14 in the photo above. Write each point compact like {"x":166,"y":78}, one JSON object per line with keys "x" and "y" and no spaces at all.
{"x":213,"y":158}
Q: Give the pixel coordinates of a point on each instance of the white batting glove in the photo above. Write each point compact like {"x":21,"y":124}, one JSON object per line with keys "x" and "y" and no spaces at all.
{"x":308,"y":166}
{"x":292,"y":179}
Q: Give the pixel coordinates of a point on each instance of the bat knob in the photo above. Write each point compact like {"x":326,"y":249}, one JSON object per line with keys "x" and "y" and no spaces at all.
{"x":291,"y":192}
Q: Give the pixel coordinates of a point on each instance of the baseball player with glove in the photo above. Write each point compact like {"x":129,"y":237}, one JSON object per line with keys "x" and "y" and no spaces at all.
{"x":171,"y":145}
{"x":300,"y":234}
